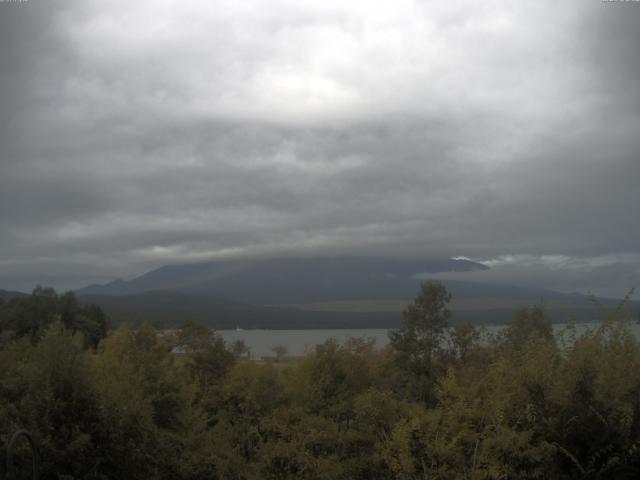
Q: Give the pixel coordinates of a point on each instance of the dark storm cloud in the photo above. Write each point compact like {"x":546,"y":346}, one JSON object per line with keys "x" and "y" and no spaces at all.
{"x":139,"y":134}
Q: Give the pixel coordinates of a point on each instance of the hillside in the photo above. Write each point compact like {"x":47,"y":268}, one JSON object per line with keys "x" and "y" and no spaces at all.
{"x":7,"y":294}
{"x":169,"y":309}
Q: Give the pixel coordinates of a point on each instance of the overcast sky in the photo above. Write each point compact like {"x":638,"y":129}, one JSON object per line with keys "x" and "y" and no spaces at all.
{"x":139,"y":133}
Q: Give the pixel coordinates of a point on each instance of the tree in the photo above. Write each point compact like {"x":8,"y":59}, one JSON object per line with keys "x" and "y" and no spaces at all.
{"x":145,"y":403}
{"x":279,"y":351}
{"x":239,"y":347}
{"x":90,"y":320}
{"x":463,"y":337}
{"x":30,"y":316}
{"x":194,"y":337}
{"x":207,"y":356}
{"x":528,"y":322}
{"x":420,"y":335}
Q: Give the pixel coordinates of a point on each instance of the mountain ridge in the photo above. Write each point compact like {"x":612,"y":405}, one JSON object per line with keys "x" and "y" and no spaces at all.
{"x":321,"y":292}
{"x":9,"y":294}
{"x":283,"y":280}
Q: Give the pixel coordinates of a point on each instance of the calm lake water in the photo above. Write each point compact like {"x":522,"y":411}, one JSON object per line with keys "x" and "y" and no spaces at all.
{"x":297,"y":341}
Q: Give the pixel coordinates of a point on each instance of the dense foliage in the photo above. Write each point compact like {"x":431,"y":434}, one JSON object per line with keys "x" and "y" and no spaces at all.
{"x":437,"y":403}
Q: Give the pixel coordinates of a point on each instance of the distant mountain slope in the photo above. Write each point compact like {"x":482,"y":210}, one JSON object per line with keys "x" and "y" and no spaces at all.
{"x":289,"y":280}
{"x":7,"y":295}
{"x":27,"y":282}
{"x":170,"y":309}
{"x":343,"y":292}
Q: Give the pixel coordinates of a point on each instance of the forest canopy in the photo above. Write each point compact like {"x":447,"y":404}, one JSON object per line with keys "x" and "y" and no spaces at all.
{"x":438,"y":402}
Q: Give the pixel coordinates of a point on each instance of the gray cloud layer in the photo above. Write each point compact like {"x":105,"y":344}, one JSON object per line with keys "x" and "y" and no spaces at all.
{"x":138,"y":134}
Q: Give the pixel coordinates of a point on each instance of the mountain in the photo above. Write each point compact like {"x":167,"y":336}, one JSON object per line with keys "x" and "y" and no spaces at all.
{"x":343,"y":292}
{"x":289,"y":280}
{"x":8,"y":295}
{"x":62,"y":283}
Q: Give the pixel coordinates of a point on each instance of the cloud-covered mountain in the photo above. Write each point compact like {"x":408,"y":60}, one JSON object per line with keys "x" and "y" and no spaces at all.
{"x":133,"y":136}
{"x":290,"y":280}
{"x":317,"y":293}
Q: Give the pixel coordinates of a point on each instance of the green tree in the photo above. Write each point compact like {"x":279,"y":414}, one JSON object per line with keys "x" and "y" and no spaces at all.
{"x":31,"y":316}
{"x":47,"y":389}
{"x":327,"y":381}
{"x":279,"y":351}
{"x":464,"y":337}
{"x":528,"y":322}
{"x":146,"y":405}
{"x":420,"y":336}
{"x":239,"y":348}
{"x":207,"y":356}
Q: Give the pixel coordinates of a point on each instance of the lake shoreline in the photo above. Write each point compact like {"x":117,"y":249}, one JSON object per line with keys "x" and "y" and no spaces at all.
{"x":298,"y":341}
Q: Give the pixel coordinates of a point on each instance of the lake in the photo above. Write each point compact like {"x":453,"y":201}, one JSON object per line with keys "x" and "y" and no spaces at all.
{"x":297,"y":341}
